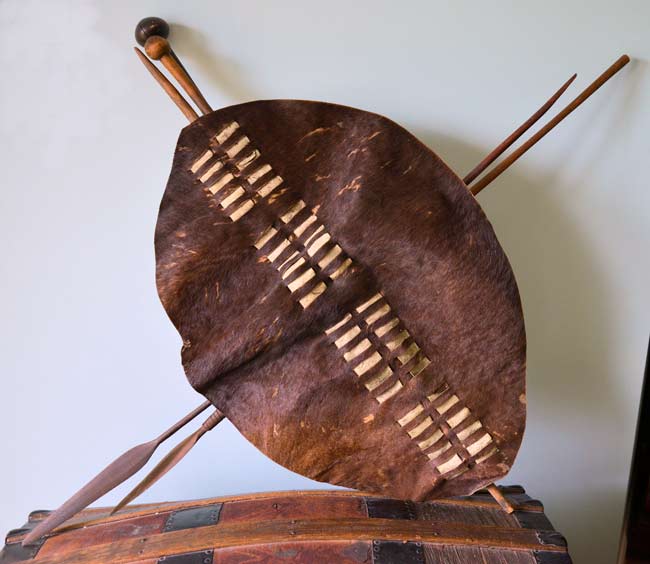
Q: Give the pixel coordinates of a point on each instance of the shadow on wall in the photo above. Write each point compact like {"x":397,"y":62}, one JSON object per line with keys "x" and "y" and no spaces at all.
{"x":216,"y":71}
{"x":571,"y":382}
{"x":575,"y":403}
{"x":560,"y":284}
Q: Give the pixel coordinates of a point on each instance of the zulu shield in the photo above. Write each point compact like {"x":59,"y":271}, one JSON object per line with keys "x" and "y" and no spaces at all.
{"x":342,"y":299}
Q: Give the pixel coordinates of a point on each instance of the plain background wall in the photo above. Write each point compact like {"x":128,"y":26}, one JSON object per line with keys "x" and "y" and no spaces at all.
{"x":89,"y":361}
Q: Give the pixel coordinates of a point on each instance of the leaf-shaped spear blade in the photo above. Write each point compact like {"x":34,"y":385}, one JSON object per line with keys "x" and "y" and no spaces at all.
{"x":171,"y":459}
{"x":113,"y":475}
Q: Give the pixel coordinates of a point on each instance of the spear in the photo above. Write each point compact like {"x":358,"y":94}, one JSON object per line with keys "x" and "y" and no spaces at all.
{"x":121,"y":469}
{"x":152,"y":33}
{"x":513,"y":157}
{"x":171,"y":459}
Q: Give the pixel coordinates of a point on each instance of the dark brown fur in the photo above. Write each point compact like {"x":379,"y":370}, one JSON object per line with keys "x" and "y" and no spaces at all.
{"x":413,"y":232}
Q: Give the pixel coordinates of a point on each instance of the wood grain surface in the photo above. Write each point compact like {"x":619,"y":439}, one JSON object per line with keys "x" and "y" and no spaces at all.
{"x":309,"y":526}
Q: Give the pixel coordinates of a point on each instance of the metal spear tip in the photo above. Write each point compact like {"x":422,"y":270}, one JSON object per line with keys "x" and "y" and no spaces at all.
{"x":149,"y":27}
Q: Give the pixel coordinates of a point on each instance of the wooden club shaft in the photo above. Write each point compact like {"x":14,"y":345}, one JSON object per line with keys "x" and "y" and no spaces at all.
{"x":158,"y":48}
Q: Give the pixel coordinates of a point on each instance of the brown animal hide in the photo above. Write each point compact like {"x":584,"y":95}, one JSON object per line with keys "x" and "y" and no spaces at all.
{"x":343,"y":299}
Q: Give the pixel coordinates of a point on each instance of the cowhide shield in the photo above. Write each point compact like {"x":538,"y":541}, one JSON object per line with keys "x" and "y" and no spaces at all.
{"x":343,"y":299}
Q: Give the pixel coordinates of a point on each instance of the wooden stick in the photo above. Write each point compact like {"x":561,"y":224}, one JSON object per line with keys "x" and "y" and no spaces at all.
{"x":171,"y":459}
{"x":505,"y":504}
{"x":168,"y":87}
{"x":112,"y":476}
{"x":516,"y":134}
{"x":158,"y":48}
{"x":595,"y":85}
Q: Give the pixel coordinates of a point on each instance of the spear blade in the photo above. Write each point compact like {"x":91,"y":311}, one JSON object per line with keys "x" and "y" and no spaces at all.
{"x":121,"y":469}
{"x":114,"y":474}
{"x":164,"y":466}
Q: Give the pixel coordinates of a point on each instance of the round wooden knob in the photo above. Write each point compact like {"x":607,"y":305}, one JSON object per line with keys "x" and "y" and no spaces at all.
{"x":157,"y":47}
{"x":150,"y":27}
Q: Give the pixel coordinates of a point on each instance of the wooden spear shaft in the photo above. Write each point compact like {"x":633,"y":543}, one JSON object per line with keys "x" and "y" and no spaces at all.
{"x":514,"y":156}
{"x":516,"y":134}
{"x":171,"y":459}
{"x":168,"y":87}
{"x":158,"y":48}
{"x":112,"y":476}
{"x":501,"y":499}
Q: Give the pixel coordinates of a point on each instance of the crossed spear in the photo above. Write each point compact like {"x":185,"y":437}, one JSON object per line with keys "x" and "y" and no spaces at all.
{"x":152,"y":33}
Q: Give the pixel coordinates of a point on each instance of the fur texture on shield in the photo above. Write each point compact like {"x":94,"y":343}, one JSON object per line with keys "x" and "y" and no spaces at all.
{"x":343,"y":299}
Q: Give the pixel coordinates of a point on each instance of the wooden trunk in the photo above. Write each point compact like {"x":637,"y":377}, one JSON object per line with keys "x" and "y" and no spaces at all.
{"x":301,"y":527}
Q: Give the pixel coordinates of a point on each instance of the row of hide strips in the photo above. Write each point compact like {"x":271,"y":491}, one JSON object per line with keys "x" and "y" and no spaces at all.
{"x":300,"y":268}
{"x":376,"y":308}
{"x":455,"y":461}
{"x":308,"y":272}
{"x":373,"y":310}
{"x":368,"y":363}
{"x":379,"y":312}
{"x":220,"y":138}
{"x":472,"y":439}
{"x":320,"y":241}
{"x":418,"y":432}
{"x":215,"y":183}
